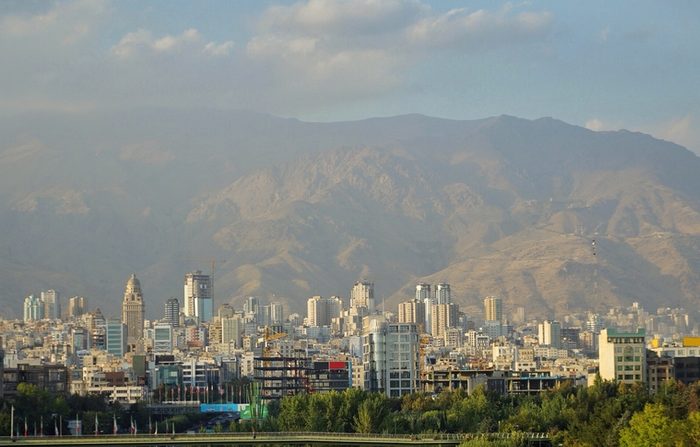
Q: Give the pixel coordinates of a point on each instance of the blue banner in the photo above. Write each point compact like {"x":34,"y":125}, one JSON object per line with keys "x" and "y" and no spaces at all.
{"x":219,"y":408}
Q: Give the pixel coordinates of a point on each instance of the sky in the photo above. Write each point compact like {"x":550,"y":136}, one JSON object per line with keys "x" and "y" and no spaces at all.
{"x":600,"y":64}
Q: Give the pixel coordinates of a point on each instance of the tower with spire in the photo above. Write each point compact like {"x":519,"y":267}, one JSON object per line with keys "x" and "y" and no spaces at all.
{"x":133,"y":312}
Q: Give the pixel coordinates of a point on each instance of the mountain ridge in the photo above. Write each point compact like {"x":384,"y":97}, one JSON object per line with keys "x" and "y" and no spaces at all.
{"x":501,"y":205}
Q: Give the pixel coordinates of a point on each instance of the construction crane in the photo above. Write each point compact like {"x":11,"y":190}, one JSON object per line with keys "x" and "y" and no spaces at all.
{"x":212,"y":262}
{"x":269,"y":336}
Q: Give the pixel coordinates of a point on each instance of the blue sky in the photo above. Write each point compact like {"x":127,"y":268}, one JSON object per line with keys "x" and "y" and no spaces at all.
{"x":602,"y":64}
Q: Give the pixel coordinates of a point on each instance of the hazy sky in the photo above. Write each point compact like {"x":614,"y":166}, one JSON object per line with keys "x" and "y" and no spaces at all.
{"x":606,"y":65}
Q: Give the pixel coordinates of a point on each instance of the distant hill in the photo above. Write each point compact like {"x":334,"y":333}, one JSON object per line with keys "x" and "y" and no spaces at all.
{"x":499,"y":206}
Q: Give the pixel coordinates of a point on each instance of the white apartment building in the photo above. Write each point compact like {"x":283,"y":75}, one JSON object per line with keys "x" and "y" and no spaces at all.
{"x":622,"y":356}
{"x":390,"y":357}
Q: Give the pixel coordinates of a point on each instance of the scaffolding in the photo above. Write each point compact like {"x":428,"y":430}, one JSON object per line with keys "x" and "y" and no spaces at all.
{"x":281,"y":375}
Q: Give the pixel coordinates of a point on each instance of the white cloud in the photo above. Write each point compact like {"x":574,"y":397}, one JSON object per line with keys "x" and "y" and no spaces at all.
{"x":47,"y":53}
{"x":218,"y":49}
{"x":127,"y":45}
{"x":169,"y":43}
{"x":341,"y":17}
{"x":594,"y":124}
{"x":64,"y":22}
{"x":684,"y":130}
{"x":479,"y":29}
{"x":364,"y":47}
{"x":300,"y":57}
{"x":141,"y":40}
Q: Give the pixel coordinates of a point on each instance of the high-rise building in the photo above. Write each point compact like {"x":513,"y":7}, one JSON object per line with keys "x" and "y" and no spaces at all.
{"x":52,"y":305}
{"x":251,"y":305}
{"x":594,"y":323}
{"x":115,"y":337}
{"x":264,"y":316}
{"x":33,"y":308}
{"x":320,"y":310}
{"x":133,"y":311}
{"x":362,"y":295}
{"x":443,"y":294}
{"x":424,"y":295}
{"x":172,"y":312}
{"x":412,"y":311}
{"x":77,"y":305}
{"x":80,"y":339}
{"x":270,"y":314}
{"x":444,"y":316}
{"x":622,"y":356}
{"x":549,"y":333}
{"x":423,"y":291}
{"x":162,"y":338}
{"x":276,"y":313}
{"x":232,"y":330}
{"x":390,"y":356}
{"x":199,"y":302}
{"x":493,"y":308}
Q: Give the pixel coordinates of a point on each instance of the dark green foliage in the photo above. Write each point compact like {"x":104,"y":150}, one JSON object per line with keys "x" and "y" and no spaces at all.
{"x":605,"y":414}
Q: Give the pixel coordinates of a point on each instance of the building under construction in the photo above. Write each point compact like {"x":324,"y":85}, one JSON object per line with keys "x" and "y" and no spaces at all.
{"x":282,"y":375}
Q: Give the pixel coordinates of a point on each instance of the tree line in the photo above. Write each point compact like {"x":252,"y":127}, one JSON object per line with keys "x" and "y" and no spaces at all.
{"x":606,"y":414}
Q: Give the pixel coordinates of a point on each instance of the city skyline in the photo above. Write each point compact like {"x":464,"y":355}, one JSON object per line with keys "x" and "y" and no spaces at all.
{"x":452,"y":222}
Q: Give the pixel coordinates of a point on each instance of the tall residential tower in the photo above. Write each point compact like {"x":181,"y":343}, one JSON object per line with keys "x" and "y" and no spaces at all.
{"x":493,"y":308}
{"x":362,"y":295}
{"x":198,"y":296}
{"x":52,"y":305}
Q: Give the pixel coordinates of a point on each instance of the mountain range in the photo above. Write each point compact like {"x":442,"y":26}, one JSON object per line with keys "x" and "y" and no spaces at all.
{"x":550,"y":216}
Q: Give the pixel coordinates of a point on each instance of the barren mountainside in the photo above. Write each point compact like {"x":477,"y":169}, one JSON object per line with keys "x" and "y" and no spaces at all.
{"x":500,"y":206}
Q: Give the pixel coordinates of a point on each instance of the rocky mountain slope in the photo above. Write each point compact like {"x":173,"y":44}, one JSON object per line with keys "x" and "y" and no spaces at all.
{"x":499,"y":206}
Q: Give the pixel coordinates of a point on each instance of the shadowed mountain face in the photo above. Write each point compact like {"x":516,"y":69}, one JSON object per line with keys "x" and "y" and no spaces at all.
{"x":500,"y":206}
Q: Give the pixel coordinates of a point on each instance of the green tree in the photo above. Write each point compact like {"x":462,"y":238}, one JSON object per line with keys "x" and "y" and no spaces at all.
{"x":371,"y":414}
{"x":651,"y":427}
{"x":692,"y":427}
{"x":292,"y":413}
{"x":317,"y":415}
